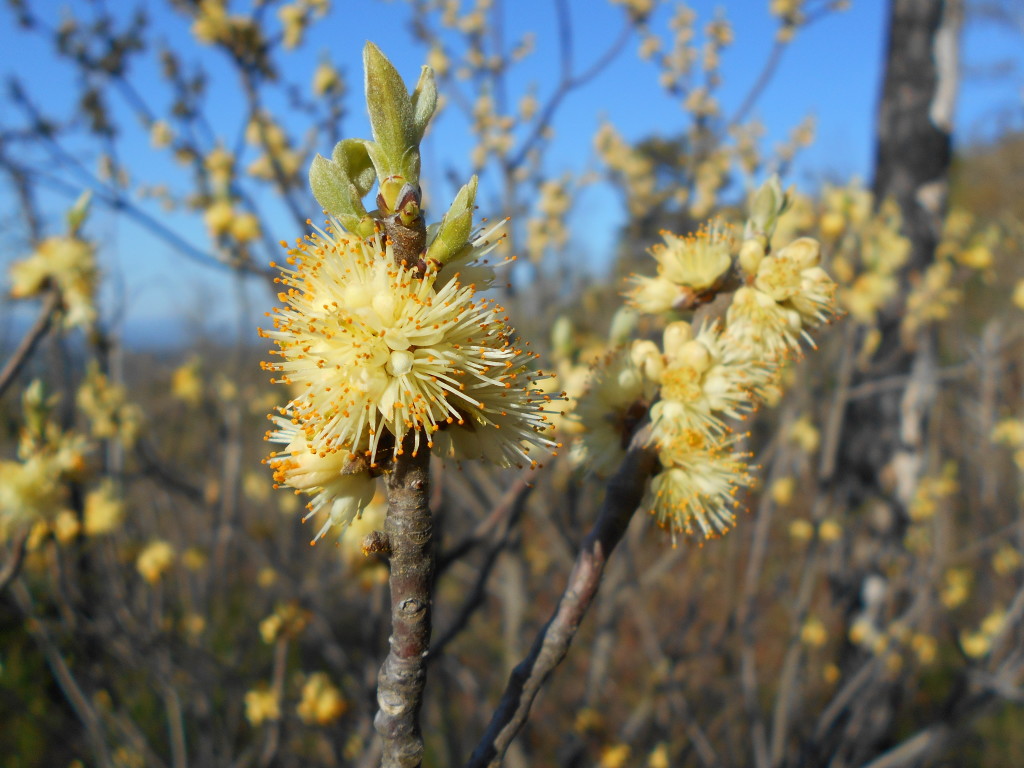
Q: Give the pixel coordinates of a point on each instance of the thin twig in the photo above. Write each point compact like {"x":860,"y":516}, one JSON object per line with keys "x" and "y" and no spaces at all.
{"x":512,"y":510}
{"x":17,"y":556}
{"x":35,"y":334}
{"x":65,"y":679}
{"x":625,"y":491}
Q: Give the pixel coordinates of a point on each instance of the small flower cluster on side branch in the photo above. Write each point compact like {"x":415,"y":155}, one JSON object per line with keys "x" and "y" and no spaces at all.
{"x":714,"y":365}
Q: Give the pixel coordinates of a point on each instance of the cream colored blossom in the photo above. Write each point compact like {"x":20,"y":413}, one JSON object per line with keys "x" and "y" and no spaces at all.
{"x":925,"y":647}
{"x":339,"y":488}
{"x":107,"y":407}
{"x":692,"y":262}
{"x":378,"y":350}
{"x":1009,"y":432}
{"x":695,"y":493}
{"x":29,"y":490}
{"x":760,"y":327}
{"x":220,"y":164}
{"x":1006,"y":560}
{"x":956,"y":587}
{"x":705,"y":382}
{"x":616,"y":400}
{"x":801,"y":530}
{"x":793,"y":277}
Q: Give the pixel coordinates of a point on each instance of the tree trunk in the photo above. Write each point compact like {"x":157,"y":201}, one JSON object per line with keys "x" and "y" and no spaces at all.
{"x":911,"y":167}
{"x":884,"y":437}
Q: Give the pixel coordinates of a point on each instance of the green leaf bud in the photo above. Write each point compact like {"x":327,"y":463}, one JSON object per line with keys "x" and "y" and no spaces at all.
{"x":453,"y":234}
{"x":563,"y":337}
{"x":768,"y":203}
{"x":751,"y":253}
{"x":624,"y":324}
{"x":79,"y":212}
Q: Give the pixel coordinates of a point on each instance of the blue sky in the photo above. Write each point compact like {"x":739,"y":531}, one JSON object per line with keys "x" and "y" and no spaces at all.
{"x":832,"y":71}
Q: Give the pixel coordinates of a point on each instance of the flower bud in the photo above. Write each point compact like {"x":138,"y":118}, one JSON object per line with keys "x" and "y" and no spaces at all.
{"x":751,"y":253}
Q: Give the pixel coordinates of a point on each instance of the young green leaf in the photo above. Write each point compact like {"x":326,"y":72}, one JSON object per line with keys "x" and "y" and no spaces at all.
{"x":424,"y":101}
{"x":390,"y":108}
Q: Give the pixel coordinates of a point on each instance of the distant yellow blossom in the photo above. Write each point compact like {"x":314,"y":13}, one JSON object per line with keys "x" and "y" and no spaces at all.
{"x":801,"y":530}
{"x":104,"y":509}
{"x":160,"y":134}
{"x":261,"y":704}
{"x":220,"y":164}
{"x":321,"y":703}
{"x":1006,"y":560}
{"x":658,"y":757}
{"x":245,"y":227}
{"x":830,"y":530}
{"x":614,"y":756}
{"x":1018,"y":294}
{"x":975,"y":644}
{"x":66,"y":526}
{"x":813,"y":632}
{"x":327,"y":79}
{"x":925,"y":647}
{"x":956,"y":588}
{"x":186,"y":383}
{"x":194,"y":559}
{"x":154,"y":561}
{"x":803,"y":433}
{"x":218,"y":217}
{"x":782,"y":490}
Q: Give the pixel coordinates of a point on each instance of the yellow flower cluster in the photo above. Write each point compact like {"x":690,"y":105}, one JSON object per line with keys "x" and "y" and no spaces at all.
{"x":106,"y":406}
{"x":932,"y":491}
{"x":327,"y":80}
{"x":155,"y":560}
{"x":493,"y":131}
{"x":688,"y":267}
{"x":32,"y":486}
{"x":67,"y":263}
{"x":700,"y":379}
{"x":633,"y":170}
{"x":978,"y":643}
{"x":379,"y":350}
{"x":547,"y":229}
{"x":1010,"y":432}
{"x":869,"y":251}
{"x":263,"y":132}
{"x":261,"y":705}
{"x":223,"y":218}
{"x":287,"y":620}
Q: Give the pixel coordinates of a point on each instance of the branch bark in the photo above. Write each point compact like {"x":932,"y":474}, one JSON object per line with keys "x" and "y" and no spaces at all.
{"x":409,"y":529}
